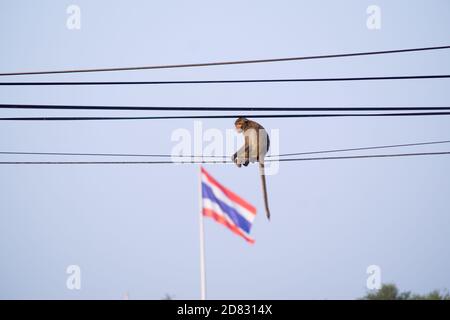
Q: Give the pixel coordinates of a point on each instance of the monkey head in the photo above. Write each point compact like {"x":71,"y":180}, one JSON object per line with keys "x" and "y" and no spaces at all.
{"x":240,"y":124}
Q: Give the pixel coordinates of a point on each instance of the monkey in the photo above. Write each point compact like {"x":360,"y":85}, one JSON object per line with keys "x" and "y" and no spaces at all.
{"x":256,"y":145}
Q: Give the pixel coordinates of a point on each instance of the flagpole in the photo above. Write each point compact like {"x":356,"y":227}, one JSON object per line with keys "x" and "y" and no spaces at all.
{"x":202,"y":244}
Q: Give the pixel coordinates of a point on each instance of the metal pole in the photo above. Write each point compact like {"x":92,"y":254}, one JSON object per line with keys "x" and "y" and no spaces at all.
{"x":202,"y":245}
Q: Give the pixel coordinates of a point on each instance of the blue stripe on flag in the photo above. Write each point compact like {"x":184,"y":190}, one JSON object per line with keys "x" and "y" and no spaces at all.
{"x":232,"y":213}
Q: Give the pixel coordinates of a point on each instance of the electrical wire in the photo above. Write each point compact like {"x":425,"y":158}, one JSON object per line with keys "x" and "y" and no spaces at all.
{"x":207,"y":108}
{"x":222,"y":63}
{"x":219,"y":156}
{"x":219,"y":162}
{"x":403,"y":114}
{"x":179,"y":82}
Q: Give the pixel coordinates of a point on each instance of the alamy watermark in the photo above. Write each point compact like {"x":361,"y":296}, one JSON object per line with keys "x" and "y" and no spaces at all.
{"x":373,"y":281}
{"x":73,"y":21}
{"x":373,"y":21}
{"x":73,"y":281}
{"x":213,"y":145}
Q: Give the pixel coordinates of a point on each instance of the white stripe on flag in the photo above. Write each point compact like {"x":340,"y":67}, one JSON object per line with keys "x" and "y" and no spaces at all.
{"x":249,"y":216}
{"x":208,"y":204}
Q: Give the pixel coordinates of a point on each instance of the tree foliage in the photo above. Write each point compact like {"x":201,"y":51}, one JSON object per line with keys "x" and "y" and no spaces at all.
{"x":390,"y":292}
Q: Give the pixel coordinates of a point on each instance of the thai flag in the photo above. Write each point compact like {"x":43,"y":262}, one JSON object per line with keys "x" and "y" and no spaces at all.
{"x":226,"y":207}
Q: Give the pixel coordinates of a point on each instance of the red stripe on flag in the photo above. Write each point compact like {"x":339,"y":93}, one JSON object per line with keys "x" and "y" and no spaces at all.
{"x":220,"y":219}
{"x":230,"y":194}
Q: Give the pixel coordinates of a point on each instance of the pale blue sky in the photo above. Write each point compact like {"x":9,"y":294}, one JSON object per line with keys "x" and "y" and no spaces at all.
{"x":135,"y":228}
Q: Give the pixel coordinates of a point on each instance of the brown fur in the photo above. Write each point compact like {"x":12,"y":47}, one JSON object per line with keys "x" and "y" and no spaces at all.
{"x":243,"y":126}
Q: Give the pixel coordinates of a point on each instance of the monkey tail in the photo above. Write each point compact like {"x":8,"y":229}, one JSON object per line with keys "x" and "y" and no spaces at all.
{"x":264,"y":188}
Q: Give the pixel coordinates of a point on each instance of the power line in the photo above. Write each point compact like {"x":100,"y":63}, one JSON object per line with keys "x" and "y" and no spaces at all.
{"x":402,"y":114}
{"x":222,"y":63}
{"x":219,"y":162}
{"x":207,"y":108}
{"x":370,"y":156}
{"x":179,"y":82}
{"x":365,"y":148}
{"x":218,"y":156}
